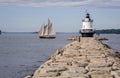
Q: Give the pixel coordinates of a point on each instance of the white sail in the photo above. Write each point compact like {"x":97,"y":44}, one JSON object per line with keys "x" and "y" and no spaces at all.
{"x":45,"y":30}
{"x":49,"y":26}
{"x":52,"y":31}
{"x":41,"y":32}
{"x":49,"y":23}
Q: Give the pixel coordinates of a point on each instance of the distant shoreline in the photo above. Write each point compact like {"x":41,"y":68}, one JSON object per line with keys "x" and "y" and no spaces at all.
{"x":37,"y":32}
{"x":19,"y":32}
{"x":102,"y":31}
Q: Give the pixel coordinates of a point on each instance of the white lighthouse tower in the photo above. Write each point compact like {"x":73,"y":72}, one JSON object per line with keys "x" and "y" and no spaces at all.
{"x":87,"y":29}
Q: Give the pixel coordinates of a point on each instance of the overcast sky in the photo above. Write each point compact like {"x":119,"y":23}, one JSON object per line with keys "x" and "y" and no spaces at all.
{"x":66,"y":15}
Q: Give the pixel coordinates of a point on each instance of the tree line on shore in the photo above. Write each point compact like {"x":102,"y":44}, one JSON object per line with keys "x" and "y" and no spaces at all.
{"x":108,"y":31}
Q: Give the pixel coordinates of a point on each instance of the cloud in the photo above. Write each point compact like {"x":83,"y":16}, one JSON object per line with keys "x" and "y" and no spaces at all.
{"x":69,"y":3}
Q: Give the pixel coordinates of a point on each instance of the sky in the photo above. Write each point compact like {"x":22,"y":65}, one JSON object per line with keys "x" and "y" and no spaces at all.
{"x":66,"y":15}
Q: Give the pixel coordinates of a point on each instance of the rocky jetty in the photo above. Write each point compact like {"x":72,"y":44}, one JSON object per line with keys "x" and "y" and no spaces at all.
{"x":89,"y":58}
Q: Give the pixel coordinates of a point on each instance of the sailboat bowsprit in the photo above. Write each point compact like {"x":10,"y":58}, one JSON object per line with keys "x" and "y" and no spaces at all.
{"x":47,"y":31}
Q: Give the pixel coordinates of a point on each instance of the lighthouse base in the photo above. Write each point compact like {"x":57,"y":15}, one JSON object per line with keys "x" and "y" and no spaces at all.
{"x":87,"y":34}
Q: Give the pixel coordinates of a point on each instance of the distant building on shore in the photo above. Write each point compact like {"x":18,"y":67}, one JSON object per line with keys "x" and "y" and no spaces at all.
{"x":87,"y":29}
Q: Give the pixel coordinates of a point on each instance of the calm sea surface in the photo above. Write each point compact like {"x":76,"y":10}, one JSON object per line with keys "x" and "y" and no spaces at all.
{"x":21,"y":54}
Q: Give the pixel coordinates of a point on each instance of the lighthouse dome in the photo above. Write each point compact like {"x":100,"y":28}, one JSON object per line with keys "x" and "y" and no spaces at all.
{"x":87,"y":15}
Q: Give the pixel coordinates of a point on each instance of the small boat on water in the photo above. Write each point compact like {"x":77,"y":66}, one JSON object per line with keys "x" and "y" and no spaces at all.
{"x":0,"y":32}
{"x":47,"y":31}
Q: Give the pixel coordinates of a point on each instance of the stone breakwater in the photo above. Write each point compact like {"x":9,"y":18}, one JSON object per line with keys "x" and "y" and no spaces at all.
{"x":89,"y":58}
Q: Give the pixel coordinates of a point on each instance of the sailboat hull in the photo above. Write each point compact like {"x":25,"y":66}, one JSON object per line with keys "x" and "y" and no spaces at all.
{"x":47,"y":37}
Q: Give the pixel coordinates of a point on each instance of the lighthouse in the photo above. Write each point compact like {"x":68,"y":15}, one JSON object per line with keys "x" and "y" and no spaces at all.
{"x":87,"y":29}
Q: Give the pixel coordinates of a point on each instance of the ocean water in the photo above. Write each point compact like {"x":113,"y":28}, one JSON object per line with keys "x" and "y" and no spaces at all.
{"x":22,"y":54}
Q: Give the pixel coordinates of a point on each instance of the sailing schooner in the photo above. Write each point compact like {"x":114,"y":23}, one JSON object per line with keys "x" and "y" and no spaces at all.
{"x":47,"y":31}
